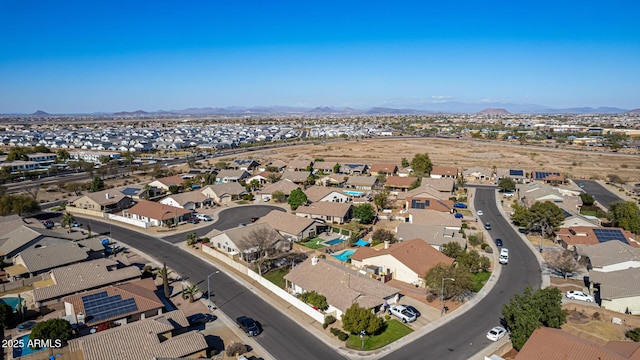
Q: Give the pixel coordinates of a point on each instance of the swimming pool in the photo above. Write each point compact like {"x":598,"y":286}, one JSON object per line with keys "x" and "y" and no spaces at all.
{"x":334,"y":241}
{"x":25,"y":349}
{"x":345,"y":255}
{"x":11,"y":301}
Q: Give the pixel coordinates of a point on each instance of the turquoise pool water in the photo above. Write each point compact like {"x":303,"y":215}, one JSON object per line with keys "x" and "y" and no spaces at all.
{"x":25,"y":350}
{"x":345,"y":255}
{"x":334,"y":241}
{"x":11,"y":301}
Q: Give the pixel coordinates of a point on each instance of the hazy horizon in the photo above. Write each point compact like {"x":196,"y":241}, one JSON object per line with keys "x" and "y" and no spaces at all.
{"x":79,"y":57}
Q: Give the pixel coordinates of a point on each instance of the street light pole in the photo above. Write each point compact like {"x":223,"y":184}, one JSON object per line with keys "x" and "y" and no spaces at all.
{"x":209,"y":287}
{"x":442,"y":294}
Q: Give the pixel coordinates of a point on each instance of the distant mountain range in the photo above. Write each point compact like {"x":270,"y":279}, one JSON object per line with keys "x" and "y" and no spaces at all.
{"x":449,"y":107}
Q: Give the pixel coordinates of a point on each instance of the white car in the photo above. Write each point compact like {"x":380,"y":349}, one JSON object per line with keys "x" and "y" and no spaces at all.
{"x":507,"y":194}
{"x":204,"y":217}
{"x":402,"y":313}
{"x":579,"y":295}
{"x":479,"y":212}
{"x":496,"y":333}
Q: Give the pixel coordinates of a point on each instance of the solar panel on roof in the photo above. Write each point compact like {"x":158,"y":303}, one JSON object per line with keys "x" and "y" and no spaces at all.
{"x":544,"y":174}
{"x":605,"y":235}
{"x":102,"y":294}
{"x":100,"y":306}
{"x":516,"y":172}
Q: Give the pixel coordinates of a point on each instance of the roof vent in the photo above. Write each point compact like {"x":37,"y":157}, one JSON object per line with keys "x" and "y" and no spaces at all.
{"x":314,"y":260}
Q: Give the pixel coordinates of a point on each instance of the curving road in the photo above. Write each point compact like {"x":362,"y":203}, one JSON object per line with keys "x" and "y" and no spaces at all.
{"x":464,"y":336}
{"x":599,"y":192}
{"x":283,"y":338}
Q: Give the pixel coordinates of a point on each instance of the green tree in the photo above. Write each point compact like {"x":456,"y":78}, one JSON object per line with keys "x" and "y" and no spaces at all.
{"x":415,"y":184}
{"x":278,"y":196}
{"x":405,"y":162}
{"x":452,"y":249}
{"x":473,"y":262}
{"x":624,"y":214}
{"x":531,"y":310}
{"x":6,"y":314}
{"x":17,"y":153}
{"x":164,"y":274}
{"x":421,"y":164}
{"x":272,"y":169}
{"x":520,"y":215}
{"x":314,"y":299}
{"x":62,"y":155}
{"x":547,"y":216}
{"x":209,"y":179}
{"x":190,"y":292}
{"x":507,"y":184}
{"x":357,"y":319}
{"x":97,"y":184}
{"x":174,"y":189}
{"x":381,"y":235}
{"x":587,"y":199}
{"x":336,"y":168}
{"x":87,"y":167}
{"x":18,"y":204}
{"x":221,"y":165}
{"x":297,"y":198}
{"x":460,"y":287}
{"x":54,"y":329}
{"x":381,"y":199}
{"x":192,"y":238}
{"x":365,"y":213}
{"x":67,"y":220}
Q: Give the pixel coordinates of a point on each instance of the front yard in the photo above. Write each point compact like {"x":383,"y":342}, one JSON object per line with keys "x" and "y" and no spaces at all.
{"x":393,"y":331}
{"x":479,"y":279}
{"x":277,"y":276}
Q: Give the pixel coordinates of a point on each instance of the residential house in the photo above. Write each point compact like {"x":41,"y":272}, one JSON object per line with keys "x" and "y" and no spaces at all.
{"x":241,"y":240}
{"x":190,"y":200}
{"x":16,"y":236}
{"x":277,"y":164}
{"x":229,"y":175}
{"x":548,"y":177}
{"x":296,"y":177}
{"x":332,"y":180}
{"x":84,"y":276}
{"x":166,"y":182}
{"x":243,"y":164}
{"x":157,"y":214}
{"x":353,"y":169}
{"x":581,"y":220}
{"x":609,"y":256}
{"x":444,"y":172}
{"x":387,"y":169}
{"x":322,"y":193}
{"x":556,"y":344}
{"x":299,"y":165}
{"x":519,"y":176}
{"x":326,"y":167}
{"x":107,"y":201}
{"x":534,"y":192}
{"x":37,"y":260}
{"x":285,"y":186}
{"x":362,"y":182}
{"x":434,"y":235}
{"x":477,"y":174}
{"x":293,"y":228}
{"x":618,"y":290}
{"x":407,"y":171}
{"x":428,"y":203}
{"x":332,"y":212}
{"x":444,"y":185}
{"x":224,"y":193}
{"x":164,"y":336}
{"x":586,"y":235}
{"x":130,"y":302}
{"x":423,"y":191}
{"x":264,"y":177}
{"x":397,"y":184}
{"x":340,"y":285}
{"x":433,"y":217}
{"x":407,"y":261}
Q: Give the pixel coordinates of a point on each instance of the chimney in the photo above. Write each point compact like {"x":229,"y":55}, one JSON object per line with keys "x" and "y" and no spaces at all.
{"x":387,"y":243}
{"x":106,"y":195}
{"x":314,"y":260}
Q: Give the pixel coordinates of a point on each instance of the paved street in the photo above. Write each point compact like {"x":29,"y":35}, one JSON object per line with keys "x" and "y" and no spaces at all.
{"x":599,"y":192}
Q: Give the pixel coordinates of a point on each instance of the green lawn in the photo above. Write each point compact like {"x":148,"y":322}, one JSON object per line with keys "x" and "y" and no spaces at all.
{"x":394,"y":331}
{"x":588,"y":212}
{"x":277,"y":276}
{"x":479,"y":279}
{"x":314,"y":244}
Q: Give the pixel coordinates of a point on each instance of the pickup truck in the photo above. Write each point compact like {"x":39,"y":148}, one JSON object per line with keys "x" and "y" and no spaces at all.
{"x":402,"y":313}
{"x":248,"y":325}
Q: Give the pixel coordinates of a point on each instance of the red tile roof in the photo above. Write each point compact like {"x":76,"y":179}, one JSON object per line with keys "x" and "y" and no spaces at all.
{"x":157,"y":211}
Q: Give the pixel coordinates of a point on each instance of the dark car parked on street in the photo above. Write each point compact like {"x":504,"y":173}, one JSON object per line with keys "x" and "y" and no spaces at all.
{"x":248,"y":325}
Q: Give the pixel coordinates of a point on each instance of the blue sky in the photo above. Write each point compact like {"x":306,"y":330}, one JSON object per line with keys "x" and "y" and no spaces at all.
{"x":64,"y":57}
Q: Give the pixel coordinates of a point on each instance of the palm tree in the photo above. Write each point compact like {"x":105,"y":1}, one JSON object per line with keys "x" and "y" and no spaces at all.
{"x":67,"y":220}
{"x":190,"y":291}
{"x":164,"y":275}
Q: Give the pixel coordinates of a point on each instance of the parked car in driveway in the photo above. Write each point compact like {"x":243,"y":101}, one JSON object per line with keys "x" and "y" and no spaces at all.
{"x":200,"y":318}
{"x":460,"y":205}
{"x":413,"y":310}
{"x":579,"y":295}
{"x":248,"y":325}
{"x":497,"y":333}
{"x":204,"y":217}
{"x":48,"y":224}
{"x":402,"y":313}
{"x":193,"y":220}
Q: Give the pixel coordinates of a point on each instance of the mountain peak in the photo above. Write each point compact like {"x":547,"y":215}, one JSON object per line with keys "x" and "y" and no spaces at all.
{"x":493,"y":111}
{"x":40,"y":113}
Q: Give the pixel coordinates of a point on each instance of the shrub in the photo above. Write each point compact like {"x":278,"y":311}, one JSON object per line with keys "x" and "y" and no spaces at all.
{"x":633,"y":334}
{"x":330,"y":319}
{"x":431,"y":297}
{"x":324,"y":325}
{"x":236,"y":349}
{"x":335,"y":331}
{"x":595,"y":316}
{"x":482,"y":246}
{"x":474,"y":239}
{"x":387,"y":317}
{"x":343,"y":336}
{"x":465,"y":226}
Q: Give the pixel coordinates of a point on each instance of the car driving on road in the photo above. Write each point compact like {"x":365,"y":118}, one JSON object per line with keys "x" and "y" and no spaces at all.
{"x":579,"y":295}
{"x":479,"y":212}
{"x":487,"y":226}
